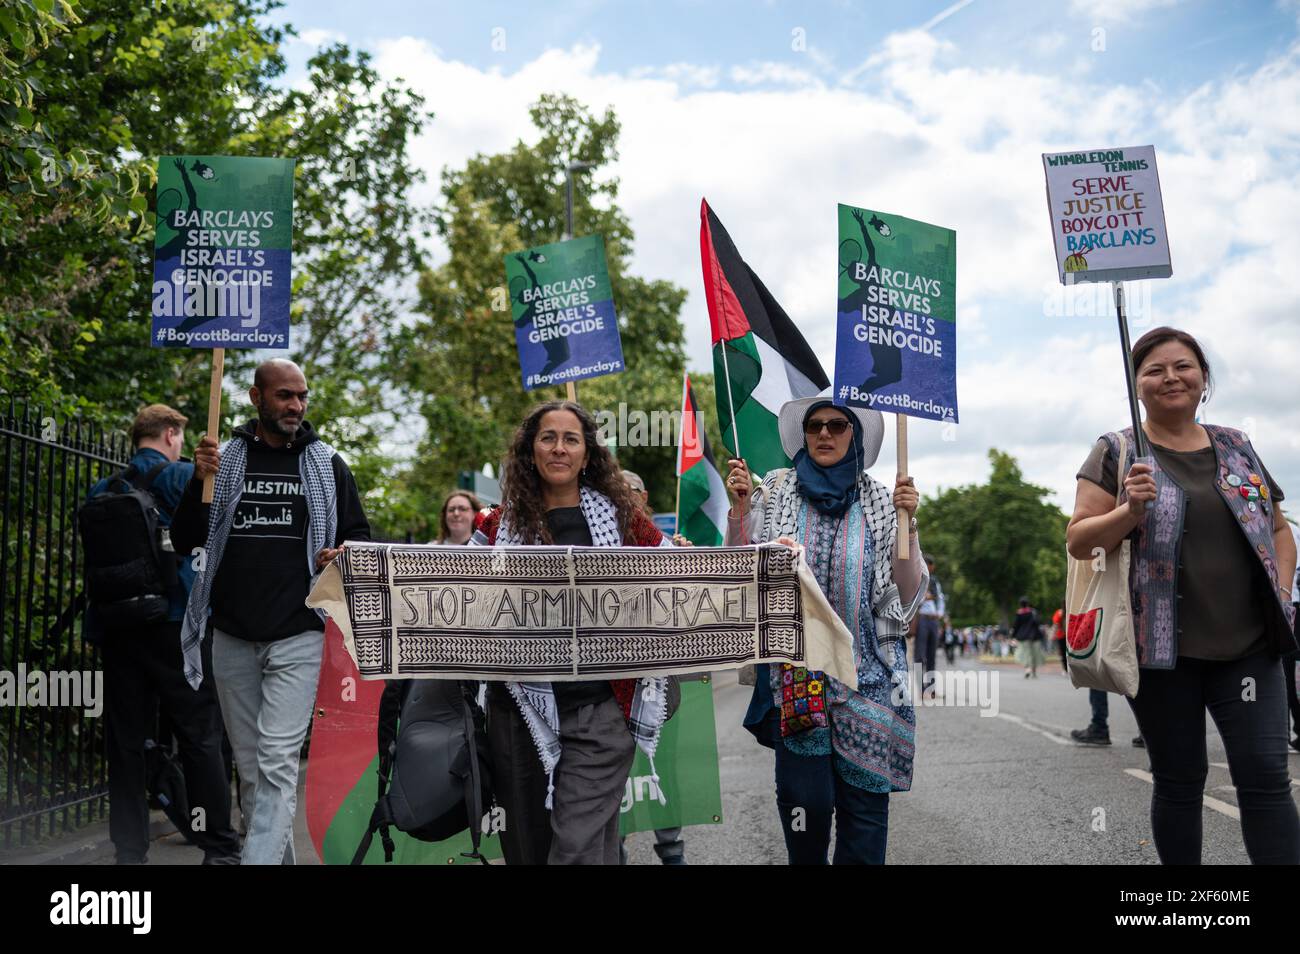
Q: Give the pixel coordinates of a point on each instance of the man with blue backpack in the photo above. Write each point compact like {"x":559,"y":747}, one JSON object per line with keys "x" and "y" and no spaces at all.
{"x":138,"y":586}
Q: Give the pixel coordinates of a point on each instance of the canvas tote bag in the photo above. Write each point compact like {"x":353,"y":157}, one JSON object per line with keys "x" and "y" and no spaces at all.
{"x":1099,"y":633}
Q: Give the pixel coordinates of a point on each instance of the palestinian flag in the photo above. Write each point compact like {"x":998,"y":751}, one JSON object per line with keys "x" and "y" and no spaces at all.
{"x":702,"y":503}
{"x":342,"y":766}
{"x":756,"y":348}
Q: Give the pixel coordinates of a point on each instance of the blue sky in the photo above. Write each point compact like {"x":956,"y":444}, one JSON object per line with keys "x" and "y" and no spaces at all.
{"x":777,"y":111}
{"x":1175,"y":48}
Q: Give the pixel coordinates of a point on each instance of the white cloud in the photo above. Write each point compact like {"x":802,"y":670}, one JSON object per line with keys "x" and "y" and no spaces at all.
{"x":1118,"y":11}
{"x":910,"y":132}
{"x":684,"y":74}
{"x":768,"y":73}
{"x":318,"y":37}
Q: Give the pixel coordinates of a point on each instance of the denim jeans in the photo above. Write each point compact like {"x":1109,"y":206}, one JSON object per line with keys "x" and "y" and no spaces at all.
{"x":1100,"y":710}
{"x":809,"y":792}
{"x":1246,"y":701}
{"x":267,"y":691}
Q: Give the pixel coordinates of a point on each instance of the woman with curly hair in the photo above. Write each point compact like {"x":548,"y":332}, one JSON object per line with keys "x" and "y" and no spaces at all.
{"x":566,"y":746}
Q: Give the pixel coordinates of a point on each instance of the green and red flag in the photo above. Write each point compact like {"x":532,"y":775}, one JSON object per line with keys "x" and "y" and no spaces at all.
{"x":344,"y":759}
{"x":760,"y":360}
{"x":342,"y":769}
{"x":702,"y":503}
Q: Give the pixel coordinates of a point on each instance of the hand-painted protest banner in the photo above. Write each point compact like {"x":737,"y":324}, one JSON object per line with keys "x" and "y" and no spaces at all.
{"x":571,"y":613}
{"x":1108,"y":220}
{"x":565,"y":326}
{"x":341,"y":773}
{"x":896,"y":338}
{"x":222,"y":252}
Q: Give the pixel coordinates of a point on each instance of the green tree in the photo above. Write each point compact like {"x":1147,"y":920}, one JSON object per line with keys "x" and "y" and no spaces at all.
{"x":89,"y":98}
{"x":460,"y":360}
{"x":996,"y":542}
{"x":90,"y":93}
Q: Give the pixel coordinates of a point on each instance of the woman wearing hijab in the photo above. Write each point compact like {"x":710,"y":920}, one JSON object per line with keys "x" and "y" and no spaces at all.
{"x":839,"y":752}
{"x":566,"y":747}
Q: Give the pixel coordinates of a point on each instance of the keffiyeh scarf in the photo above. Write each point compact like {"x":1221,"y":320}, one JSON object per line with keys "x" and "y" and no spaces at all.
{"x":316,"y":468}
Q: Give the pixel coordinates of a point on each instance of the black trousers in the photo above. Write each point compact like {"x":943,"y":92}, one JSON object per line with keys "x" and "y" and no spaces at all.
{"x":590,"y":781}
{"x":1292,"y":693}
{"x":143,"y":671}
{"x":926,"y":648}
{"x":1245,"y":699}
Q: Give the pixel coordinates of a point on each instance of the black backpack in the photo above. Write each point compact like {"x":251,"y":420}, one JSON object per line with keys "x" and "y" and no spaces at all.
{"x":433,"y":776}
{"x":128,"y":574}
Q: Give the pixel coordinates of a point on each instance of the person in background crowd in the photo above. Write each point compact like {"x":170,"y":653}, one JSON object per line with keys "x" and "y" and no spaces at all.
{"x":283,"y":504}
{"x":1212,"y":606}
{"x":143,"y":669}
{"x":929,"y":624}
{"x":1058,"y":635}
{"x":950,"y":641}
{"x":1027,"y":631}
{"x":643,"y":496}
{"x":839,"y":751}
{"x":561,"y":486}
{"x":1098,"y":730}
{"x":456,"y":520}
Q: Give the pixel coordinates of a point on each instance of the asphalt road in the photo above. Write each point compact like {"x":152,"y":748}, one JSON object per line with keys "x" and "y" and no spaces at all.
{"x":1005,"y":788}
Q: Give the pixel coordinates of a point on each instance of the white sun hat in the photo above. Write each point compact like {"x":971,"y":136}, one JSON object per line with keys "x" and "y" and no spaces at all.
{"x":790,"y":426}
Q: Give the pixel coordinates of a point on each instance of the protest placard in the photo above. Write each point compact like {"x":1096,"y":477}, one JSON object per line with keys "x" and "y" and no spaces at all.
{"x":566,"y":328}
{"x":1108,"y":220}
{"x":896,"y":331}
{"x":222,"y":259}
{"x":1108,"y":225}
{"x":222,"y":252}
{"x":896,"y":338}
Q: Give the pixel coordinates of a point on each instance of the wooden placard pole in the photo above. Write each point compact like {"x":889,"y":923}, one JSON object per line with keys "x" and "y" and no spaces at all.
{"x":571,"y":390}
{"x":214,"y":410}
{"x":677,"y":509}
{"x":903,"y":531}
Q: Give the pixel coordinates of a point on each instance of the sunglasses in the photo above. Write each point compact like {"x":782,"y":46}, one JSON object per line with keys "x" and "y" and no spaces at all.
{"x":836,"y":426}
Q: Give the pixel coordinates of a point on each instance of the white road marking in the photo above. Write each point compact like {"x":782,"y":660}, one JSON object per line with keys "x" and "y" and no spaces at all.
{"x":1224,"y":765}
{"x":1033,"y":728}
{"x":1223,"y":808}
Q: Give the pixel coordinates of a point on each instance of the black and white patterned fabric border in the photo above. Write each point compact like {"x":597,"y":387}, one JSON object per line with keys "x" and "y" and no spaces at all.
{"x":316,"y":467}
{"x":572,"y":613}
{"x":779,"y":498}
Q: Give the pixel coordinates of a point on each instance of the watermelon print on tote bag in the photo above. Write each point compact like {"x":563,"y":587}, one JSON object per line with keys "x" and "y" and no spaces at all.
{"x":1099,"y":624}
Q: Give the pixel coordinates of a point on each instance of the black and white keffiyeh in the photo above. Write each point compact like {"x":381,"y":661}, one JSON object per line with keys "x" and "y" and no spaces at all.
{"x":316,"y":468}
{"x":779,"y":500}
{"x":536,"y":700}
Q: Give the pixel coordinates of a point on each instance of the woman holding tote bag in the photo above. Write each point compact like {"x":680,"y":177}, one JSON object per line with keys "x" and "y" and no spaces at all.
{"x":1210,"y":576}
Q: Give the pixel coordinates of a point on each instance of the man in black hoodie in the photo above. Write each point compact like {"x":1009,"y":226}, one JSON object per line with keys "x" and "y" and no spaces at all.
{"x":284,"y":504}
